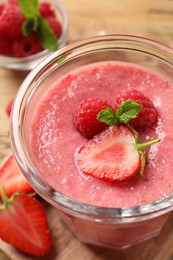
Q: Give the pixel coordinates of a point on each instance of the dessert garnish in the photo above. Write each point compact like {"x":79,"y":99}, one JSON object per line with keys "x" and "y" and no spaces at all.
{"x":23,"y":224}
{"x":115,"y":154}
{"x":86,"y":117}
{"x":148,"y":114}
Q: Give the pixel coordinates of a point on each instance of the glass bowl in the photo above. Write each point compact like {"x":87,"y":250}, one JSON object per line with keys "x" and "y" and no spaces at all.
{"x":104,"y":226}
{"x":28,"y":63}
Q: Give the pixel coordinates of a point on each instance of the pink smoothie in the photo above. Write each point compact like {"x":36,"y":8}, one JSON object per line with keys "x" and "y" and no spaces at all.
{"x":54,"y":138}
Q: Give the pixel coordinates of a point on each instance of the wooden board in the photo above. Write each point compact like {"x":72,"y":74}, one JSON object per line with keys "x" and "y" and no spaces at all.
{"x":152,"y":19}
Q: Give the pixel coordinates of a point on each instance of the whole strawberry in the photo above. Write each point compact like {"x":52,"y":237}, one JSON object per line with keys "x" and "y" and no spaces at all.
{"x":23,"y":224}
{"x":85,"y":119}
{"x":148,"y":114}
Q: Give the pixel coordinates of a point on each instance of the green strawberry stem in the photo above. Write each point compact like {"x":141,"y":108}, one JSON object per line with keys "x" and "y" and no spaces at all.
{"x":143,"y":161}
{"x":140,"y":148}
{"x":127,"y":111}
{"x":144,"y":145}
{"x":5,"y":199}
{"x":142,"y":153}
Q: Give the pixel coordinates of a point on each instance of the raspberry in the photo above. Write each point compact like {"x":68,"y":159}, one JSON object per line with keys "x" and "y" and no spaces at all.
{"x":5,"y":45}
{"x":1,"y":8}
{"x":148,"y":114}
{"x":85,"y":119}
{"x":26,"y":46}
{"x":55,"y":25}
{"x":14,"y":2}
{"x":46,"y":10}
{"x":12,"y":19}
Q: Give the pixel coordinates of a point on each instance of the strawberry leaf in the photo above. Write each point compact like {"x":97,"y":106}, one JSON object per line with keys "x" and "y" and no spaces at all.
{"x":127,"y":110}
{"x":46,"y":35}
{"x":108,"y":117}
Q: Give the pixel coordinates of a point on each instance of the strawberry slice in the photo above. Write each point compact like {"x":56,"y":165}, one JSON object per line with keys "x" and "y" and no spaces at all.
{"x":9,"y":107}
{"x":11,"y":178}
{"x":111,"y":155}
{"x":23,"y":224}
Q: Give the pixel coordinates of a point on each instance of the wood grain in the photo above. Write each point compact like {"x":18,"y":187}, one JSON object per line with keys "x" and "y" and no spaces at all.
{"x":152,"y":19}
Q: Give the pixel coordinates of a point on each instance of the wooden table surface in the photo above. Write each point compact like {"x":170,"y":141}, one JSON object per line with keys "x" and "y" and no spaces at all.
{"x":148,"y":18}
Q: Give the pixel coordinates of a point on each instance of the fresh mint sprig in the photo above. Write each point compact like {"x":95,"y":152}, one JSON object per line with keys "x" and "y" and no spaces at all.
{"x":36,"y":23}
{"x":127,"y":111}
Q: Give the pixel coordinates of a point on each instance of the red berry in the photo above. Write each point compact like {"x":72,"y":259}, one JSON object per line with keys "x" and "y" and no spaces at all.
{"x":148,"y":114}
{"x":46,"y":10}
{"x":111,"y":155}
{"x":23,"y":224}
{"x":9,"y":107}
{"x":26,"y":46}
{"x":12,"y":19}
{"x":55,"y":25}
{"x":86,"y":117}
{"x":11,"y":178}
{"x":14,"y":2}
{"x":1,"y":8}
{"x":5,"y":45}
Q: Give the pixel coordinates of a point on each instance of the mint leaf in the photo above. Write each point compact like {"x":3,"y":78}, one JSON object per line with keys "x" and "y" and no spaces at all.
{"x":29,"y":8}
{"x":29,"y":26}
{"x":46,"y":35}
{"x":127,"y":111}
{"x":108,"y":117}
{"x":36,"y":23}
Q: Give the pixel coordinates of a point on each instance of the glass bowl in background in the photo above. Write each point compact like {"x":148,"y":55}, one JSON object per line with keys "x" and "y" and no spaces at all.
{"x":108,"y":227}
{"x":28,"y":63}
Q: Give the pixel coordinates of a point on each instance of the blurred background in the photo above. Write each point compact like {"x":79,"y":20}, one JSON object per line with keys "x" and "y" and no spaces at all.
{"x":147,"y":18}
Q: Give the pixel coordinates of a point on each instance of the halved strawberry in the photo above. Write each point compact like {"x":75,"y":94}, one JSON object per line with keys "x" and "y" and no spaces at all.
{"x":111,"y":155}
{"x":23,"y":224}
{"x":11,"y":178}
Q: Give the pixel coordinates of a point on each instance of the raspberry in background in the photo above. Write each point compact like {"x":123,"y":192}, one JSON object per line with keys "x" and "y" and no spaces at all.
{"x":14,"y":43}
{"x":14,"y":2}
{"x":147,"y":116}
{"x":26,"y":46}
{"x":55,"y":25}
{"x":85,"y":119}
{"x":46,"y":10}
{"x":5,"y":45}
{"x":12,"y":19}
{"x":1,"y":8}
